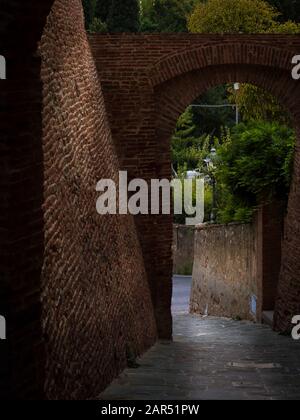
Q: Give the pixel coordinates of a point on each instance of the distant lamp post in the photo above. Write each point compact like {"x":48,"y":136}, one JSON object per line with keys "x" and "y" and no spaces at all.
{"x":209,"y":161}
{"x":237,"y":117}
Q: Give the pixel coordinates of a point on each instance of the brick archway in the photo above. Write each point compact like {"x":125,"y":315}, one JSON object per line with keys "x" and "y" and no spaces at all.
{"x":173,"y":96}
{"x":153,"y":78}
{"x":221,"y":51}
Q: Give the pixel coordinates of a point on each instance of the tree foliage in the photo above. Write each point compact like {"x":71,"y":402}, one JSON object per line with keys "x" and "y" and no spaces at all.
{"x":187,"y":148}
{"x":245,"y":16}
{"x":123,"y":16}
{"x":165,"y":15}
{"x":212,"y":120}
{"x":241,"y":16}
{"x":89,"y":7}
{"x":256,"y":162}
{"x":287,"y":28}
{"x":97,"y":26}
{"x":208,"y":198}
{"x":256,"y":104}
{"x":289,"y":9}
{"x":112,"y":15}
{"x":232,"y":16}
{"x":254,"y":166}
{"x":102,"y":9}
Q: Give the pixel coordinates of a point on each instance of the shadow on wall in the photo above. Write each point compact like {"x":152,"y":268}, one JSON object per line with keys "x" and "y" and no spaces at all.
{"x":183,"y":249}
{"x":91,"y":308}
{"x":21,"y":216}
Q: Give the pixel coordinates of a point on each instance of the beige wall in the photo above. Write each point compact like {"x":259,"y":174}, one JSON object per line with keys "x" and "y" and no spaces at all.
{"x":225,"y":271}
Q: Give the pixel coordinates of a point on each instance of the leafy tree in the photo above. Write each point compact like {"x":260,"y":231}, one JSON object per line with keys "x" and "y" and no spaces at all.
{"x":208,"y":198}
{"x":232,"y":208}
{"x":165,"y":15}
{"x":97,"y":26}
{"x":288,"y":27}
{"x":289,"y":9}
{"x":102,"y":9}
{"x":123,"y":16}
{"x":255,"y":164}
{"x":187,"y":149}
{"x":256,"y":104}
{"x":244,"y":16}
{"x":212,"y":120}
{"x":89,"y":7}
{"x":146,"y":6}
{"x":232,"y":16}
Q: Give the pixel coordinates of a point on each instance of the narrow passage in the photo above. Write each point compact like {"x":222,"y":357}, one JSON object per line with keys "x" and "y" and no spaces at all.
{"x":213,"y":359}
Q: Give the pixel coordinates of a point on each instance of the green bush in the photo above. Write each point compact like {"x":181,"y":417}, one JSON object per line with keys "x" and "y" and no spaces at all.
{"x":256,"y":163}
{"x":180,"y":218}
{"x":254,"y":166}
{"x":187,"y":148}
{"x":97,"y":26}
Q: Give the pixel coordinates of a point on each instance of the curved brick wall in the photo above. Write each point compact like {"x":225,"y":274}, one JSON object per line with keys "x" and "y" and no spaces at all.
{"x":153,"y":78}
{"x":95,"y":297}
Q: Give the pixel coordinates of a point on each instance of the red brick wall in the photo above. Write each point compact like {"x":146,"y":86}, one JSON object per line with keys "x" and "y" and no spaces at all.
{"x":288,"y":297}
{"x":270,"y":220}
{"x":95,"y":295}
{"x":95,"y":299}
{"x":77,"y":297}
{"x":153,"y":78}
{"x":21,"y":175}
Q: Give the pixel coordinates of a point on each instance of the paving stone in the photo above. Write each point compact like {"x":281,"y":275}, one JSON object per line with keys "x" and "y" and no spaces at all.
{"x":214,"y":359}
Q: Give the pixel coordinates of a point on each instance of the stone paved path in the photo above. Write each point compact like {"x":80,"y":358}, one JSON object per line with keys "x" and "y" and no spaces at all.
{"x":214,"y":359}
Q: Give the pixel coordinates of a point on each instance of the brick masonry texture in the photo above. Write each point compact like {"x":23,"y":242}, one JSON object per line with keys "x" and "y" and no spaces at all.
{"x":153,"y":78}
{"x":73,"y":285}
{"x":78,"y":298}
{"x":95,"y":295}
{"x":21,"y":189}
